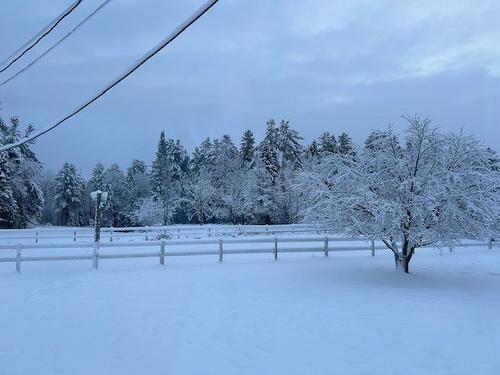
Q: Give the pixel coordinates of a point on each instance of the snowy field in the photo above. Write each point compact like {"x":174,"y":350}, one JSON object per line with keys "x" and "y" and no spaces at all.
{"x":347,"y":314}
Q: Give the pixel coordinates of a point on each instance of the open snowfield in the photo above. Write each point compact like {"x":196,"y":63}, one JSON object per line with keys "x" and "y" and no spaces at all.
{"x":347,"y":314}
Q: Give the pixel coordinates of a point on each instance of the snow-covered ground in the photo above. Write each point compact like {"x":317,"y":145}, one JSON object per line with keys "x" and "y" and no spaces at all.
{"x":347,"y":314}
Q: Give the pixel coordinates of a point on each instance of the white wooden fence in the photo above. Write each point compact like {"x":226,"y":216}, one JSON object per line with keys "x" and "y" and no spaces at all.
{"x":166,"y":248}
{"x":147,"y":233}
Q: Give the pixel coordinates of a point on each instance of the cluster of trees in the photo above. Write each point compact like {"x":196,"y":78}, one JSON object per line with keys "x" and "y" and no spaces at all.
{"x":408,"y":190}
{"x":219,"y":183}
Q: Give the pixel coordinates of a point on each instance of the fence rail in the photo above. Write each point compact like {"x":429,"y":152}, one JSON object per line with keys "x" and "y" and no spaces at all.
{"x":326,"y":245}
{"x":177,"y":231}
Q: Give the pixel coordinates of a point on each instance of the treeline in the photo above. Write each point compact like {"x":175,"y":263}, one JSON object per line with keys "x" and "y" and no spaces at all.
{"x":221,"y":182}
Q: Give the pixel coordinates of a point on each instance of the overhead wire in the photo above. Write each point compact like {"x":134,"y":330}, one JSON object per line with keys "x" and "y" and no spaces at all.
{"x":99,"y":8}
{"x":20,"y":52}
{"x":148,"y":55}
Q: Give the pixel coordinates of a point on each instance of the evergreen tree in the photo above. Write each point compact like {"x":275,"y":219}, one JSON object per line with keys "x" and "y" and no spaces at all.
{"x":69,"y":197}
{"x":345,"y":145}
{"x":268,"y":150}
{"x":137,"y":188}
{"x":167,"y":172}
{"x":137,"y":180}
{"x":312,"y":150}
{"x":223,"y":176}
{"x":7,"y":202}
{"x":48,"y":187}
{"x":21,"y":171}
{"x":247,"y":148}
{"x":203,"y":155}
{"x":327,"y":144}
{"x":114,"y":182}
{"x":290,"y":149}
{"x":97,"y":180}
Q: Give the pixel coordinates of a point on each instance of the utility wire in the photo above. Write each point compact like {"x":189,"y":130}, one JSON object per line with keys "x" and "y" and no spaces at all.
{"x":173,"y":35}
{"x":56,"y":44}
{"x":38,"y":37}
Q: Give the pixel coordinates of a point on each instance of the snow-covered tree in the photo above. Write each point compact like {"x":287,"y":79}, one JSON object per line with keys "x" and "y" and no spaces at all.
{"x":409,"y":191}
{"x":114,"y":183}
{"x":69,"y":196}
{"x":290,"y":149}
{"x":149,"y":212}
{"x":48,"y":187}
{"x":312,"y":150}
{"x":247,"y":148}
{"x":97,"y":179}
{"x":345,"y":144}
{"x":201,"y":197}
{"x":137,"y":188}
{"x":203,"y":155}
{"x":167,"y":173}
{"x":327,"y":144}
{"x":7,"y":201}
{"x":21,"y":172}
{"x":268,"y":150}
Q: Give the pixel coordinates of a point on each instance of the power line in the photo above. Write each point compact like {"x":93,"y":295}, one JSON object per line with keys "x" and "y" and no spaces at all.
{"x":34,"y":37}
{"x":56,"y":44}
{"x":173,"y":35}
{"x":38,"y":37}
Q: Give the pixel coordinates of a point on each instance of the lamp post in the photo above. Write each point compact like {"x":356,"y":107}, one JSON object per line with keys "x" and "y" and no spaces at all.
{"x":99,"y":197}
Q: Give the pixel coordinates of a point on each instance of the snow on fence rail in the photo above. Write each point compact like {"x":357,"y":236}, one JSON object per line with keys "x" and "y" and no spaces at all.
{"x":183,"y":231}
{"x":323,"y":245}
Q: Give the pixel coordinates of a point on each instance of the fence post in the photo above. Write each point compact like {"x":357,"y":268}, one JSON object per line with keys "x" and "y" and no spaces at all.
{"x":267,"y":228}
{"x":96,"y":255}
{"x":36,"y":237}
{"x":74,"y":235}
{"x":18,"y":258}
{"x":221,"y":250}
{"x":490,"y":244}
{"x":325,"y":246}
{"x":162,"y":252}
{"x":373,"y":247}
{"x":275,"y":248}
{"x":178,"y":233}
{"x":111,"y":235}
{"x":209,"y":231}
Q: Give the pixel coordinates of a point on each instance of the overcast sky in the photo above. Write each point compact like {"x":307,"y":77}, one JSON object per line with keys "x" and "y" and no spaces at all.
{"x":323,"y":64}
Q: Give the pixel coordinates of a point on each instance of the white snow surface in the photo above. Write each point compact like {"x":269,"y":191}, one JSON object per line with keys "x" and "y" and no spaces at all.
{"x":349,"y":313}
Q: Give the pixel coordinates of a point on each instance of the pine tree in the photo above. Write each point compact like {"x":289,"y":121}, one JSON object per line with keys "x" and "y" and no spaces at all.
{"x":223,"y":176}
{"x":7,"y":202}
{"x":327,"y":144}
{"x":167,"y":172}
{"x":247,"y":148}
{"x":97,"y":180}
{"x":290,"y":149}
{"x":312,"y":150}
{"x":203,"y":155}
{"x":268,"y":150}
{"x":21,"y":172}
{"x":137,"y":188}
{"x":345,"y":145}
{"x":69,"y":197}
{"x":48,"y":187}
{"x":114,"y":182}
